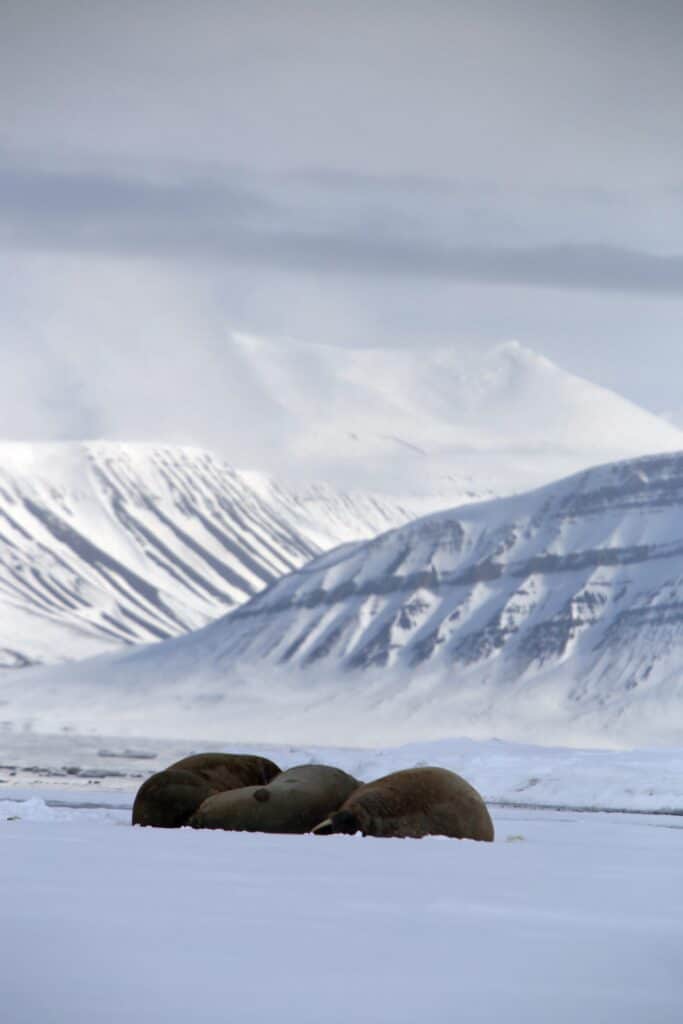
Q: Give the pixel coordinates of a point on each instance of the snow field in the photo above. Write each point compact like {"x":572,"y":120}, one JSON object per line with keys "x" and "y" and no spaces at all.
{"x":566,"y":918}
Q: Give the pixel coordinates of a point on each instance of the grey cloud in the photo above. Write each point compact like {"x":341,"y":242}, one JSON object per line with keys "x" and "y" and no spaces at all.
{"x":277,"y":225}
{"x":39,"y":203}
{"x":592,"y":267}
{"x":579,"y":92}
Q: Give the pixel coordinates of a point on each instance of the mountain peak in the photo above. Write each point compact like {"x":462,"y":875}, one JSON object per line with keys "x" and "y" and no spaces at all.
{"x":493,"y":420}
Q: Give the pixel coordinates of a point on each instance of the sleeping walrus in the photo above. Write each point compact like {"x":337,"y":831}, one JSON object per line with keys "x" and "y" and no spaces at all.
{"x":169,"y":798}
{"x":294,"y":801}
{"x":415,"y":802}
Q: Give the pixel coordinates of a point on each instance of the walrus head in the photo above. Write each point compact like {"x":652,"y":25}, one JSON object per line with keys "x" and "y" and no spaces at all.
{"x":169,"y":798}
{"x":345,"y":822}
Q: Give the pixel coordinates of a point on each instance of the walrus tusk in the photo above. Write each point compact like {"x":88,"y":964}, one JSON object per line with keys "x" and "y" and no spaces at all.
{"x":325,"y":828}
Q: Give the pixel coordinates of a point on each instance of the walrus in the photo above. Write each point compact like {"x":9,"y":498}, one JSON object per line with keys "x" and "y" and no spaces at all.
{"x":170,"y":797}
{"x":413,"y":803}
{"x":293,"y":802}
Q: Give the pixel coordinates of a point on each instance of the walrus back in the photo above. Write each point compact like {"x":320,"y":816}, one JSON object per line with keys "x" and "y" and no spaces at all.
{"x":413,"y":803}
{"x":293,"y":802}
{"x":169,"y":798}
{"x":229,"y":771}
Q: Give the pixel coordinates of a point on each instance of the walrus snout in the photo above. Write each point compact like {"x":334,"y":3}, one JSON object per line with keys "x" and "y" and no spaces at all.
{"x":341,"y":821}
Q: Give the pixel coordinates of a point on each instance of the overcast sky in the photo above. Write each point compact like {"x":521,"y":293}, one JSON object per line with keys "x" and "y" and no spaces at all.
{"x":402,"y":174}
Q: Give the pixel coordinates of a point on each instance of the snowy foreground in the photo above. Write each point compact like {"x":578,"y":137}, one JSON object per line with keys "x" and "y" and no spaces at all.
{"x":570,"y":917}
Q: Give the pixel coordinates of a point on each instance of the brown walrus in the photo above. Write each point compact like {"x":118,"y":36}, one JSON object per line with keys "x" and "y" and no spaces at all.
{"x":294,"y":801}
{"x":169,"y":798}
{"x":415,"y":802}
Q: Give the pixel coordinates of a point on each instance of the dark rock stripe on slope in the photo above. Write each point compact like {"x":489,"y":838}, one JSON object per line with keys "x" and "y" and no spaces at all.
{"x":588,"y":572}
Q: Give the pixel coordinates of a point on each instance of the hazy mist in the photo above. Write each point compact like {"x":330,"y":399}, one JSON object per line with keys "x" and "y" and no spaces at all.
{"x":395,"y":174}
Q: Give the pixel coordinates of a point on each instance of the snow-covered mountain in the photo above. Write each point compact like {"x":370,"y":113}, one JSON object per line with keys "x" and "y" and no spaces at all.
{"x":107,"y":544}
{"x":110,"y":544}
{"x":445,"y":425}
{"x":555,"y":615}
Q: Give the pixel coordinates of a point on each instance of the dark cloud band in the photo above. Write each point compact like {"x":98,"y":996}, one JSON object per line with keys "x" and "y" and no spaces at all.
{"x":264,"y":224}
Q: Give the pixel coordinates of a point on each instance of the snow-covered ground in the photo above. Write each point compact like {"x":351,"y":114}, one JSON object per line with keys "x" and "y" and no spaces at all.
{"x":568,"y":917}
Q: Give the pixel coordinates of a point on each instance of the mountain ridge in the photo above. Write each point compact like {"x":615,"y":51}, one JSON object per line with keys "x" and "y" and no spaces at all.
{"x":106,"y":543}
{"x":558,"y":612}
